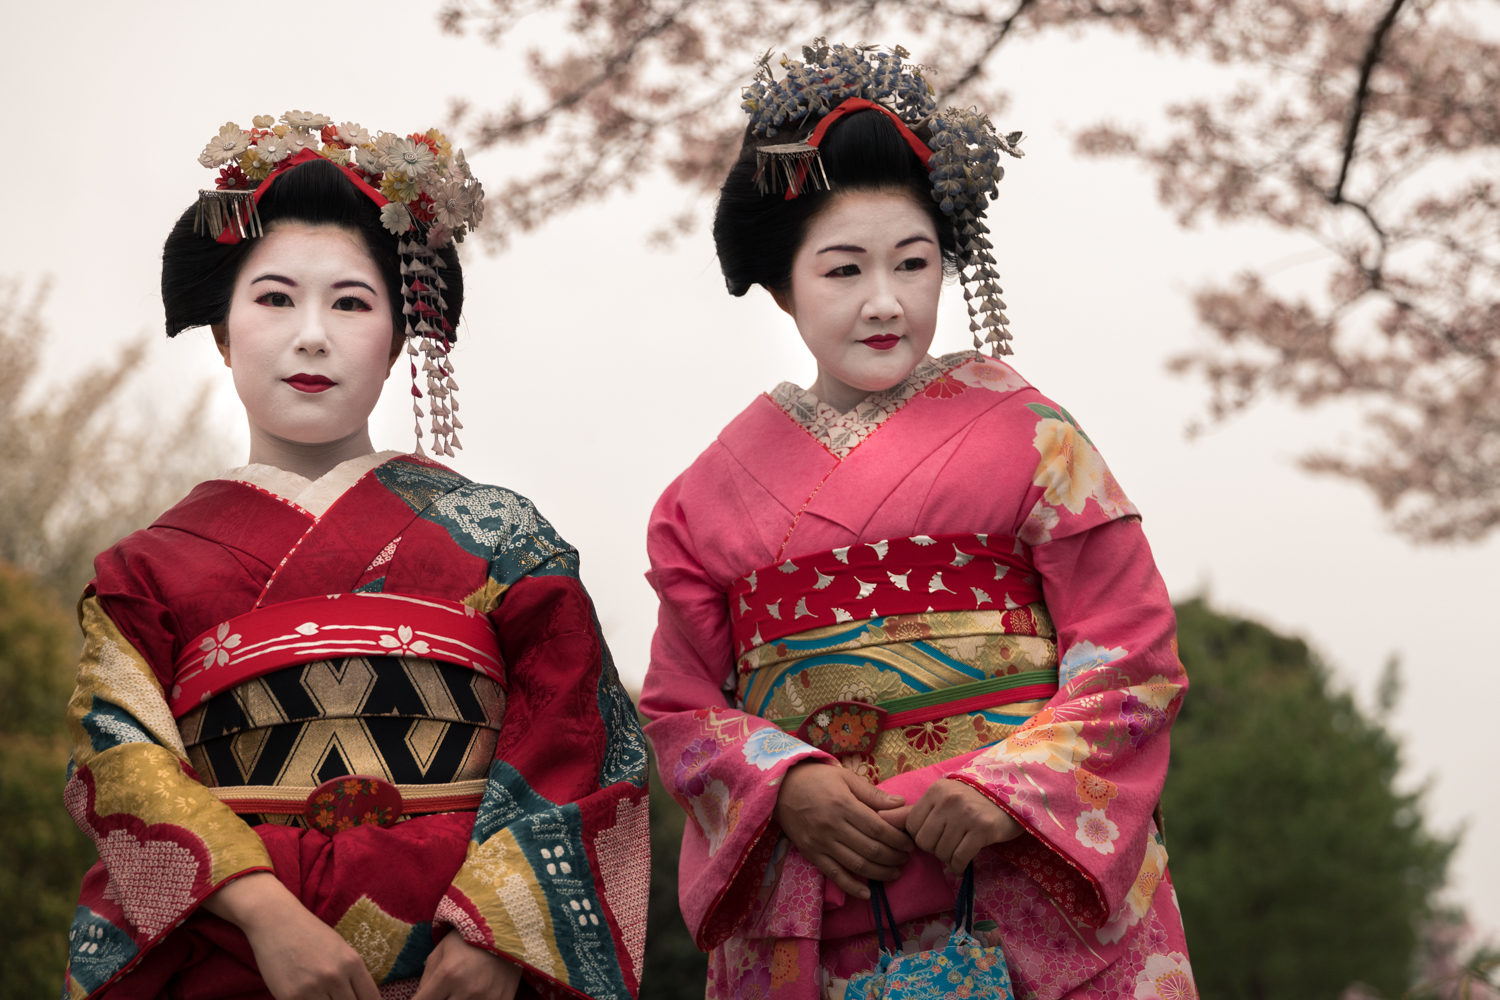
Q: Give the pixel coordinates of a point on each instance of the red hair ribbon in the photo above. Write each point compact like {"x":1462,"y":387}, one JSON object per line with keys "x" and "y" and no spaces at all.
{"x":851,"y":105}
{"x":380,"y":200}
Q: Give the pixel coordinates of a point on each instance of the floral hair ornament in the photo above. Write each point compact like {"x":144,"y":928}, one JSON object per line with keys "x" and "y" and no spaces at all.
{"x":427,"y":197}
{"x":963,"y":161}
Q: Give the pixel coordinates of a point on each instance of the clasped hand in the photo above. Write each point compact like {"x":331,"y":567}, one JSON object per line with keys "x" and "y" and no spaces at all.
{"x":854,"y":832}
{"x":302,"y":958}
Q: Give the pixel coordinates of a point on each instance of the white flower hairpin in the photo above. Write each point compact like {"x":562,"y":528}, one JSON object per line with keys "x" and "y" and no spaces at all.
{"x":428,"y":198}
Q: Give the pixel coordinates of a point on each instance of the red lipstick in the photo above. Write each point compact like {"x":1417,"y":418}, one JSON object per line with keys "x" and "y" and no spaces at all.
{"x":310,"y":383}
{"x":882,"y":341}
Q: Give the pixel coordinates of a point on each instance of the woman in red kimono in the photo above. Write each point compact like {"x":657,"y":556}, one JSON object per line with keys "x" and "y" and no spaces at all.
{"x":919,"y":569}
{"x":345,"y":725}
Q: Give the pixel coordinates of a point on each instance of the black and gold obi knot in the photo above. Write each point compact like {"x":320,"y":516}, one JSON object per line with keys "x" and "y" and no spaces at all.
{"x":408,"y":721}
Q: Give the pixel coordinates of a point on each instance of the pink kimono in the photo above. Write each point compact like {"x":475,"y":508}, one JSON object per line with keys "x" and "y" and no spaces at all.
{"x":945,"y":582}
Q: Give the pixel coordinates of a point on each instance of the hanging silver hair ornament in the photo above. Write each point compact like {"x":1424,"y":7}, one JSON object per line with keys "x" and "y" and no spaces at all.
{"x":792,"y":166}
{"x":232,"y":210}
{"x":963,"y":159}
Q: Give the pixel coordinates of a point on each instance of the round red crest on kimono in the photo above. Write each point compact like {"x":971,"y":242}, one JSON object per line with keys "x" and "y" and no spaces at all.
{"x":354,"y":800}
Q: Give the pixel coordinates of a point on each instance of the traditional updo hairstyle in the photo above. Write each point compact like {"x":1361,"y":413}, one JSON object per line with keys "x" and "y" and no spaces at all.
{"x":757,"y":235}
{"x":198,"y":273}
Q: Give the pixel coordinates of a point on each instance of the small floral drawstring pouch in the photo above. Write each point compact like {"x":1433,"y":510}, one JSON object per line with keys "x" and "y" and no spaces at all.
{"x":965,"y":968}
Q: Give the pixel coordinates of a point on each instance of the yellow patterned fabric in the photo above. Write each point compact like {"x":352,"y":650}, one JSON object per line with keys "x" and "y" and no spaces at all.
{"x":879,"y":659}
{"x":165,"y":841}
{"x":124,"y":735}
{"x":497,"y":871}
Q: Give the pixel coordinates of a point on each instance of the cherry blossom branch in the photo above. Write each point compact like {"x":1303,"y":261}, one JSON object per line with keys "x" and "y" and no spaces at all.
{"x":1361,"y":94}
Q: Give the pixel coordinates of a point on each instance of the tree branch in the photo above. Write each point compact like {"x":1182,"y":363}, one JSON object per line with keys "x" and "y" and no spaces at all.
{"x":976,"y":65}
{"x":606,"y":72}
{"x":1361,"y":94}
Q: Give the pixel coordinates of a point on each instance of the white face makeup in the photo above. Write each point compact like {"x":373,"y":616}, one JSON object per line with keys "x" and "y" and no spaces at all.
{"x":308,"y":336}
{"x":864,"y":293}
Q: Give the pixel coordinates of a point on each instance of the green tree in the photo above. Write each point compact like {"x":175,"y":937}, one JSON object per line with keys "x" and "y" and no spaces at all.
{"x":45,"y":853}
{"x":1300,"y":868}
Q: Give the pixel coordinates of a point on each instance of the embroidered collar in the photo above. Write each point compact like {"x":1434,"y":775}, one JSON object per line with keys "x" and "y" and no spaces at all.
{"x":312,"y":495}
{"x":841,"y":433}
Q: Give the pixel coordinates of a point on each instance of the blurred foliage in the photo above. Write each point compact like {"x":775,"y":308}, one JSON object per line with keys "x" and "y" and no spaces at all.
{"x":79,"y":469}
{"x":1299,"y":866}
{"x":45,"y":853}
{"x":675,"y":968}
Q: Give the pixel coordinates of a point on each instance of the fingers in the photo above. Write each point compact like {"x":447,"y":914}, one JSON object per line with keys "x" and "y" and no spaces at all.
{"x":838,"y":874}
{"x":874,"y":853}
{"x":1009,"y":829}
{"x":363,"y":984}
{"x":923,"y":808}
{"x":351,"y":980}
{"x":947,"y":844}
{"x":869,"y":794}
{"x":856,"y":826}
{"x":878,"y":830}
{"x":967,"y":850}
{"x":868,"y":860}
{"x":896,"y":817}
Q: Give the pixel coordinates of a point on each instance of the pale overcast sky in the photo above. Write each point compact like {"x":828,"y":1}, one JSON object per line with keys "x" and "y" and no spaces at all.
{"x":595,"y":370}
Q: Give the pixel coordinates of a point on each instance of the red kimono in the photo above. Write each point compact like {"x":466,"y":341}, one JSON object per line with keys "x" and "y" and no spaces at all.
{"x":424,"y":630}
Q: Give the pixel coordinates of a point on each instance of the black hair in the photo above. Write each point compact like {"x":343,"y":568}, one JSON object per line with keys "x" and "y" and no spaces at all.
{"x":757,"y":235}
{"x":198,"y":273}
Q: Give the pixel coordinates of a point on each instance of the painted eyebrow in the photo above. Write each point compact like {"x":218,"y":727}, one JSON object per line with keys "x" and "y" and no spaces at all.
{"x":851,"y":248}
{"x":352,"y":283}
{"x":275,"y":277}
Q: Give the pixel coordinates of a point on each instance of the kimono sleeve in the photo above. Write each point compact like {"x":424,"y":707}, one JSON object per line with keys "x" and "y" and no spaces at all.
{"x":165,"y":842}
{"x":559,"y":864}
{"x":723,"y":766}
{"x":1084,"y":775}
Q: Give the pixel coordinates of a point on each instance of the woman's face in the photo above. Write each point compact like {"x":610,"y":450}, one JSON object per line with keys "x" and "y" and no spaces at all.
{"x":864,"y":291}
{"x":308,"y":335}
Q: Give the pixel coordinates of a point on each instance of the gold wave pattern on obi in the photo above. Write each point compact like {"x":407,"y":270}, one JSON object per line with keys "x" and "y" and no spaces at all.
{"x":406,"y":720}
{"x":884,"y":658}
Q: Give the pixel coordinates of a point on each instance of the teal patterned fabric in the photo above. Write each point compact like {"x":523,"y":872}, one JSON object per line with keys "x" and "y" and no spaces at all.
{"x":963,"y":970}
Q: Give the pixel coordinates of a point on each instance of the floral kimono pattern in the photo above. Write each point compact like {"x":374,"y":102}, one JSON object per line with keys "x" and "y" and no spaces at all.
{"x":968,"y":462}
{"x":550,"y":870}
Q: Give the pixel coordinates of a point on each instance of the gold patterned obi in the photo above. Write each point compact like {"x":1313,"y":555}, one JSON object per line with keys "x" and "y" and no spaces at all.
{"x":884,"y":661}
{"x":406,"y":720}
{"x":965,"y":654}
{"x":269,"y":713}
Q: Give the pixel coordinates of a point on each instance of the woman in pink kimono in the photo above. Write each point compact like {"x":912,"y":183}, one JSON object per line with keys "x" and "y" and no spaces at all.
{"x":918,"y":570}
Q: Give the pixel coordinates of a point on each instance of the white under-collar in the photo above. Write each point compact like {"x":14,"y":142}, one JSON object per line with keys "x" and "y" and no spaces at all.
{"x":312,"y":495}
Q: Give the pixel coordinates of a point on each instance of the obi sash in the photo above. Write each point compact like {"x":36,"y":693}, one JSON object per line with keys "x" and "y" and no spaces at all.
{"x":276,"y":704}
{"x":898,"y":653}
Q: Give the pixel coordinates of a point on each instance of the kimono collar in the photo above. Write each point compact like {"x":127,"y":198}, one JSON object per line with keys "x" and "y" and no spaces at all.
{"x":839,"y":432}
{"x":313,"y":496}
